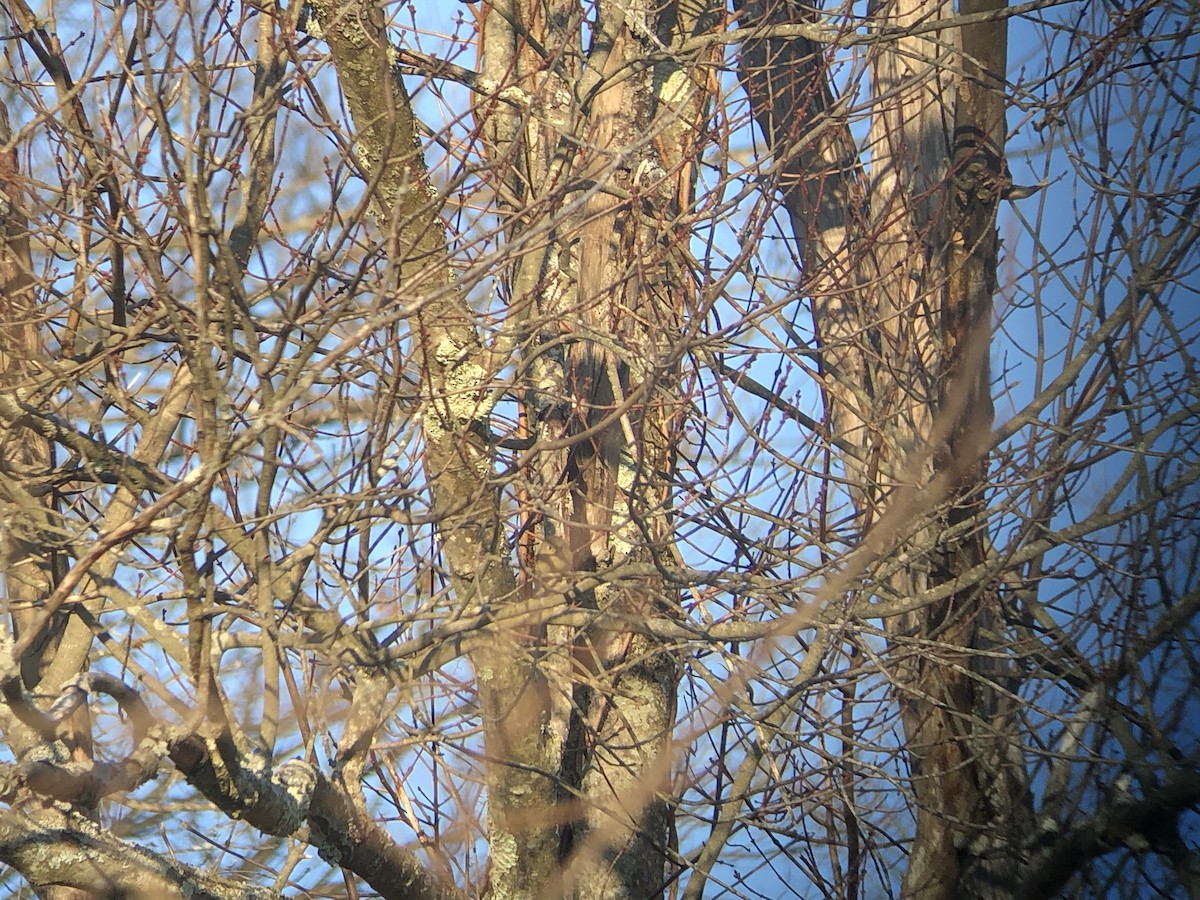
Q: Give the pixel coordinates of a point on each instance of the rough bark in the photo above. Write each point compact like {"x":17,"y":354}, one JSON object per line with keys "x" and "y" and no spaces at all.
{"x":69,"y":855}
{"x":25,"y":561}
{"x":164,"y":529}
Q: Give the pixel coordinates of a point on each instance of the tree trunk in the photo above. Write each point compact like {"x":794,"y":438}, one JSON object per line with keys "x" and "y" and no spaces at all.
{"x":578,"y":723}
{"x":597,"y":308}
{"x":28,"y":563}
{"x":900,"y":262}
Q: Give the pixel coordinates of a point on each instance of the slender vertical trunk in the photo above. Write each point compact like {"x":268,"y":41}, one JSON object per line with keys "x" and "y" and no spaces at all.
{"x":25,"y":565}
{"x":28,"y":562}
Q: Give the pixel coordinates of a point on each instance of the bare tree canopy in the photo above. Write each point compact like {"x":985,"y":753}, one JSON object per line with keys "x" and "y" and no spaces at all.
{"x":605,"y":450}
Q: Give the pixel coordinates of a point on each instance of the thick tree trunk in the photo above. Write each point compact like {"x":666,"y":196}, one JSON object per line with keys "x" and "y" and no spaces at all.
{"x":900,"y":263}
{"x":578,"y":724}
{"x":608,"y":139}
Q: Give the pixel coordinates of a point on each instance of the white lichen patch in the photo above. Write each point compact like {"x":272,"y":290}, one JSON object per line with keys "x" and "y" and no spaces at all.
{"x":553,"y":99}
{"x":462,"y":397}
{"x":9,"y":666}
{"x":676,"y":87}
{"x":463,"y":384}
{"x":626,"y":534}
{"x":298,"y":778}
{"x":548,"y":382}
{"x":446,"y":352}
{"x":503,"y":850}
